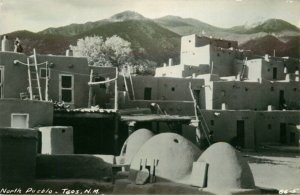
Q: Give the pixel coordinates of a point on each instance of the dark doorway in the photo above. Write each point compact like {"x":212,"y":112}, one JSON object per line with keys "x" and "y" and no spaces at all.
{"x":282,"y":133}
{"x":147,"y":93}
{"x":274,"y":73}
{"x":281,"y":100}
{"x":240,"y":133}
{"x":292,"y":138}
{"x":90,"y":135}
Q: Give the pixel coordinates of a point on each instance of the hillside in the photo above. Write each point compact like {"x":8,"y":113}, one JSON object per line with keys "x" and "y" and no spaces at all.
{"x":242,"y":34}
{"x":73,"y":29}
{"x":159,"y":39}
{"x":45,"y":44}
{"x":148,"y":39}
{"x":186,"y":26}
{"x":268,"y":26}
{"x":267,"y":45}
{"x":76,"y":29}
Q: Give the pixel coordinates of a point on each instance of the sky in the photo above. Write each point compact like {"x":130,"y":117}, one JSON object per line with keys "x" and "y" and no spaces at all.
{"x":36,"y":15}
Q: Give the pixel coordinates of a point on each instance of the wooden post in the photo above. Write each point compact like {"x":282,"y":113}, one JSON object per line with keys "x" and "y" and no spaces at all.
{"x":29,"y":79}
{"x":133,"y":95}
{"x":126,"y":87}
{"x":90,"y":89}
{"x":194,"y":100}
{"x":116,"y":90}
{"x":212,"y":67}
{"x":47,"y":83}
{"x":37,"y":74}
{"x":116,"y":134}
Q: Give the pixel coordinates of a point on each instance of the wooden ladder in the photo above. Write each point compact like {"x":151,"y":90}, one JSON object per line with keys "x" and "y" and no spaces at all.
{"x":34,"y":79}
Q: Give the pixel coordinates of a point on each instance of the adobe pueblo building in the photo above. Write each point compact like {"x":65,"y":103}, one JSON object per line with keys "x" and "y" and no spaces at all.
{"x":63,"y":121}
{"x":240,"y":98}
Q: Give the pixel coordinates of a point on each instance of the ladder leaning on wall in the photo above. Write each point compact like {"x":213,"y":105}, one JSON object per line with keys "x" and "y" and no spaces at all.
{"x":34,"y":78}
{"x":34,"y":88}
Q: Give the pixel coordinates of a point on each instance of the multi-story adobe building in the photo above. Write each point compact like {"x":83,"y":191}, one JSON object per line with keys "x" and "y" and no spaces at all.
{"x":61,"y":79}
{"x":243,"y":99}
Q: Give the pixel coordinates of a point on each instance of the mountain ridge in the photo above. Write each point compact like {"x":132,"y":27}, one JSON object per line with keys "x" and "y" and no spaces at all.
{"x":159,"y":39}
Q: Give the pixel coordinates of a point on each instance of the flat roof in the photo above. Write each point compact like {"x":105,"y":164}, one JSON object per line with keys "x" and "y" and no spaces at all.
{"x":156,"y":118}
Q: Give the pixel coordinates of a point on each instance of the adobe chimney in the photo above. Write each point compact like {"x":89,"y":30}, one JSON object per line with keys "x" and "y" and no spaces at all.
{"x":6,"y":45}
{"x":170,"y":62}
{"x":69,"y":52}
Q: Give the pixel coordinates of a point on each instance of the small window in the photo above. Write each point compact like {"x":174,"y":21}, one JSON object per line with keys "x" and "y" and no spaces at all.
{"x":218,"y":54}
{"x":295,"y":89}
{"x":212,"y":122}
{"x":246,"y":89}
{"x":173,"y":88}
{"x":19,"y":120}
{"x":66,"y":88}
{"x":147,"y":93}
{"x":269,"y":126}
{"x":190,"y":41}
{"x":272,"y":88}
{"x":66,"y":81}
{"x":44,"y":73}
{"x":223,"y":93}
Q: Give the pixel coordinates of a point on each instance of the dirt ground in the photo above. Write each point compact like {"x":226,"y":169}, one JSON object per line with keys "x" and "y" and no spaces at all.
{"x":275,"y":170}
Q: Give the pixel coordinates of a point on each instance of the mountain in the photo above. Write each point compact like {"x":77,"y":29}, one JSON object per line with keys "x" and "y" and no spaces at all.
{"x":45,"y":44}
{"x":127,"y":15}
{"x":76,"y":29}
{"x":185,"y":26}
{"x":73,"y":29}
{"x":269,"y":43}
{"x":269,"y":26}
{"x":159,"y":39}
{"x":148,"y":40}
{"x":242,"y":34}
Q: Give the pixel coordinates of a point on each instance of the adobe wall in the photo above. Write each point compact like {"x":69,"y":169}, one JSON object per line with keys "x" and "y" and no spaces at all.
{"x":292,"y":65}
{"x":261,"y":127}
{"x":268,"y":125}
{"x":267,"y":70}
{"x":67,"y":65}
{"x":192,"y":70}
{"x":15,"y":75}
{"x":184,"y":108}
{"x":181,"y":71}
{"x":40,"y":113}
{"x":191,"y":55}
{"x":170,"y":71}
{"x":223,"y":61}
{"x":163,"y":88}
{"x":18,"y":149}
{"x":254,"y":69}
{"x":255,"y":95}
{"x":263,"y":69}
{"x":201,"y":41}
{"x":79,"y":166}
{"x":223,"y":125}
